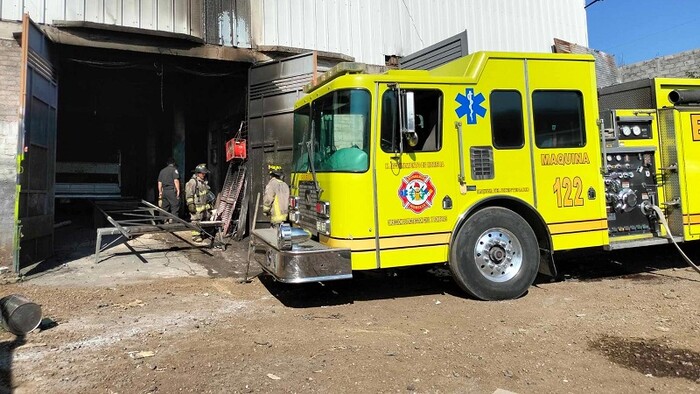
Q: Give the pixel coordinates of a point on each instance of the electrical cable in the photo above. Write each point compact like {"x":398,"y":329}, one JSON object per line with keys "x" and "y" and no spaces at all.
{"x":413,"y":23}
{"x":662,"y":218}
{"x":106,"y":65}
{"x":206,"y":74}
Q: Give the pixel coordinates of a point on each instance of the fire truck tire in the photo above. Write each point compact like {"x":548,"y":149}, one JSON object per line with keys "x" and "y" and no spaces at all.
{"x":495,"y":255}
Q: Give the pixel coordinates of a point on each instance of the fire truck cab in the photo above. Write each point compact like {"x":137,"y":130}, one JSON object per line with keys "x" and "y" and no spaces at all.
{"x":489,"y":163}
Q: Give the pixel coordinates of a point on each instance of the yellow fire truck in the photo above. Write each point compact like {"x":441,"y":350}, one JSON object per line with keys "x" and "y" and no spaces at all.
{"x":490,"y":163}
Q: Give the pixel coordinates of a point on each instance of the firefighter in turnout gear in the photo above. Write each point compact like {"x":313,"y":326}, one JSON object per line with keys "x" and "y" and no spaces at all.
{"x":276,"y":199}
{"x":198,"y":197}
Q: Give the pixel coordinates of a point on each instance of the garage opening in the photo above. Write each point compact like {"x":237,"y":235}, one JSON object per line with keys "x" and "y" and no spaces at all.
{"x":122,"y":114}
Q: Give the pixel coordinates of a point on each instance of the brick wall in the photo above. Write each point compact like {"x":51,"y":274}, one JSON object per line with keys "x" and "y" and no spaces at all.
{"x":9,"y":126}
{"x":683,"y":64}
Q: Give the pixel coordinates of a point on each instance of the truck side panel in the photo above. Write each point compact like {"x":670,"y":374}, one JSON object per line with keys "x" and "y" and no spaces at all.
{"x":566,"y":152}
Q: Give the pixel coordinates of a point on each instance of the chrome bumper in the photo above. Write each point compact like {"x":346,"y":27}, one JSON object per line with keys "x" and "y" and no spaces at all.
{"x":306,"y":262}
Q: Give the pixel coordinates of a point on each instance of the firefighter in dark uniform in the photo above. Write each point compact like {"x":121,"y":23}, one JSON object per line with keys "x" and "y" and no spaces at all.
{"x":169,"y":188}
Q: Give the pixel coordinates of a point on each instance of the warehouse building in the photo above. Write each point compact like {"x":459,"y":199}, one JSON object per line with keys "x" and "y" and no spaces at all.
{"x":95,"y":95}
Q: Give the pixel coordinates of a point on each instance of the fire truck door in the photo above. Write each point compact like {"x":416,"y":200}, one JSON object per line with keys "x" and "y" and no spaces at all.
{"x":411,"y":181}
{"x":566,"y":153}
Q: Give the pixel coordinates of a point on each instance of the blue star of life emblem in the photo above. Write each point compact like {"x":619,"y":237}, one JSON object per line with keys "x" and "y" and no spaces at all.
{"x":470,"y":105}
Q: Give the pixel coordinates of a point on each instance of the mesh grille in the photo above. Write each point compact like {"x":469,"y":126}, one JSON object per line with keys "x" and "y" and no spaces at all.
{"x":636,"y":94}
{"x":482,"y":162}
{"x":308,"y":197}
{"x":671,"y":182}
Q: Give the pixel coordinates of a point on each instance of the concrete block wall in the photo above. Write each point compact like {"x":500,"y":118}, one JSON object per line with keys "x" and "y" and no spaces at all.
{"x":683,"y":64}
{"x":10,"y":64}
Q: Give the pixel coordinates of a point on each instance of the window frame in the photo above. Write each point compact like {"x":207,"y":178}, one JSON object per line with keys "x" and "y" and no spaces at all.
{"x":423,"y":137}
{"x":582,"y":141}
{"x":521,"y":118}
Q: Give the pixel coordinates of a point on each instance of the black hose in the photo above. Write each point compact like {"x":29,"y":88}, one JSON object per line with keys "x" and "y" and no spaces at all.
{"x":680,"y":97}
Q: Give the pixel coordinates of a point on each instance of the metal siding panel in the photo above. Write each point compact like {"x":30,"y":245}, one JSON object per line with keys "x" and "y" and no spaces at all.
{"x":308,"y":29}
{"x":225,"y":22}
{"x":296,"y":34}
{"x":211,"y":12}
{"x":284,"y":27}
{"x":181,"y":17}
{"x":274,"y":87}
{"x":148,"y":14}
{"x":130,"y":13}
{"x":333,"y":20}
{"x":242,"y":24}
{"x":94,"y":11}
{"x":345,"y":36}
{"x":35,"y":9}
{"x":359,"y":28}
{"x":75,"y":10}
{"x":356,"y":37}
{"x":11,"y":10}
{"x":391,"y":45}
{"x":270,"y":34}
{"x":113,"y":12}
{"x":321,"y":38}
{"x":165,"y":18}
{"x":377,"y":42}
{"x":196,"y":26}
{"x":55,"y":11}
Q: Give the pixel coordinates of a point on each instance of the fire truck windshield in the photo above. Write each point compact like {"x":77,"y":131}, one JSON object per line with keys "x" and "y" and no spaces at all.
{"x":337,"y":125}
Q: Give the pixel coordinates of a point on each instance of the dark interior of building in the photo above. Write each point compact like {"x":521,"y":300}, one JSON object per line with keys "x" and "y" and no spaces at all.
{"x":121,"y":114}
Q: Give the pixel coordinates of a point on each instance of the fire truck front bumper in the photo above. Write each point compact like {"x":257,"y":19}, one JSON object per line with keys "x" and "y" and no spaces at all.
{"x":309,"y":261}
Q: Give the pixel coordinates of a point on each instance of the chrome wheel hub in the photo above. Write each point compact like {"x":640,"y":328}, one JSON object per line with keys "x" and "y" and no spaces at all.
{"x":498,"y":254}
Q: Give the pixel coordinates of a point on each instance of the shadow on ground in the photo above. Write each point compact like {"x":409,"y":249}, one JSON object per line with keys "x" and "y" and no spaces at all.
{"x":635,"y":264}
{"x":366,"y":285}
{"x":7,"y":349}
{"x":581,"y":265}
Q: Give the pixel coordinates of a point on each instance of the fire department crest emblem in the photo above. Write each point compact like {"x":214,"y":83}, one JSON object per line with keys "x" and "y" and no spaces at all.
{"x":417,"y":192}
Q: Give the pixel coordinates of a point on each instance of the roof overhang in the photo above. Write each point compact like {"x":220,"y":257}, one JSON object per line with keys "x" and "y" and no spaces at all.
{"x":97,"y":35}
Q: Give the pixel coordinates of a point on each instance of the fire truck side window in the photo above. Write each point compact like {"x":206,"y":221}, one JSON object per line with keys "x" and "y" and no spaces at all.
{"x":428,"y":105}
{"x":507,"y":119}
{"x":302,"y":121}
{"x":558,"y":117}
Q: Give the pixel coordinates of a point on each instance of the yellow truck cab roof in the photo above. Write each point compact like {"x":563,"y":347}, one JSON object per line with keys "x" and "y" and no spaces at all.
{"x":463,"y":70}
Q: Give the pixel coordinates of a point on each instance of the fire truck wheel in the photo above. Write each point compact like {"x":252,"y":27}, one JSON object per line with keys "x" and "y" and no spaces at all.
{"x":495,"y":255}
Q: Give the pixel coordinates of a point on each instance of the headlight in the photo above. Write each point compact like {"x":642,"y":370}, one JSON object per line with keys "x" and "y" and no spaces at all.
{"x":284,"y":237}
{"x":288,"y":236}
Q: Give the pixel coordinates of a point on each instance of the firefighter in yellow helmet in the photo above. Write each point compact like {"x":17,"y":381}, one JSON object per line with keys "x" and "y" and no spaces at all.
{"x":199,"y":198}
{"x":276,"y":199}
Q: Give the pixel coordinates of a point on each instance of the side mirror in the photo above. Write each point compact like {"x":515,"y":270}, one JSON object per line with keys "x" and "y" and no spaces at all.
{"x":408,"y":119}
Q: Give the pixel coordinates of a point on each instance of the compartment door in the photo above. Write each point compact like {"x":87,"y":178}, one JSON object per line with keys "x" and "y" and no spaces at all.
{"x":689,"y":169}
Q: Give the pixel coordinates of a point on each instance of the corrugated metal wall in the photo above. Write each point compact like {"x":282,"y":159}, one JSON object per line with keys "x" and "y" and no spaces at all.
{"x":364,"y":29}
{"x":219,"y":22}
{"x":370,"y":29}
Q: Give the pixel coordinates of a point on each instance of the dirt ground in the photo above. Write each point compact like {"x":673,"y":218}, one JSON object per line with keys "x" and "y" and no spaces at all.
{"x":161,"y":315}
